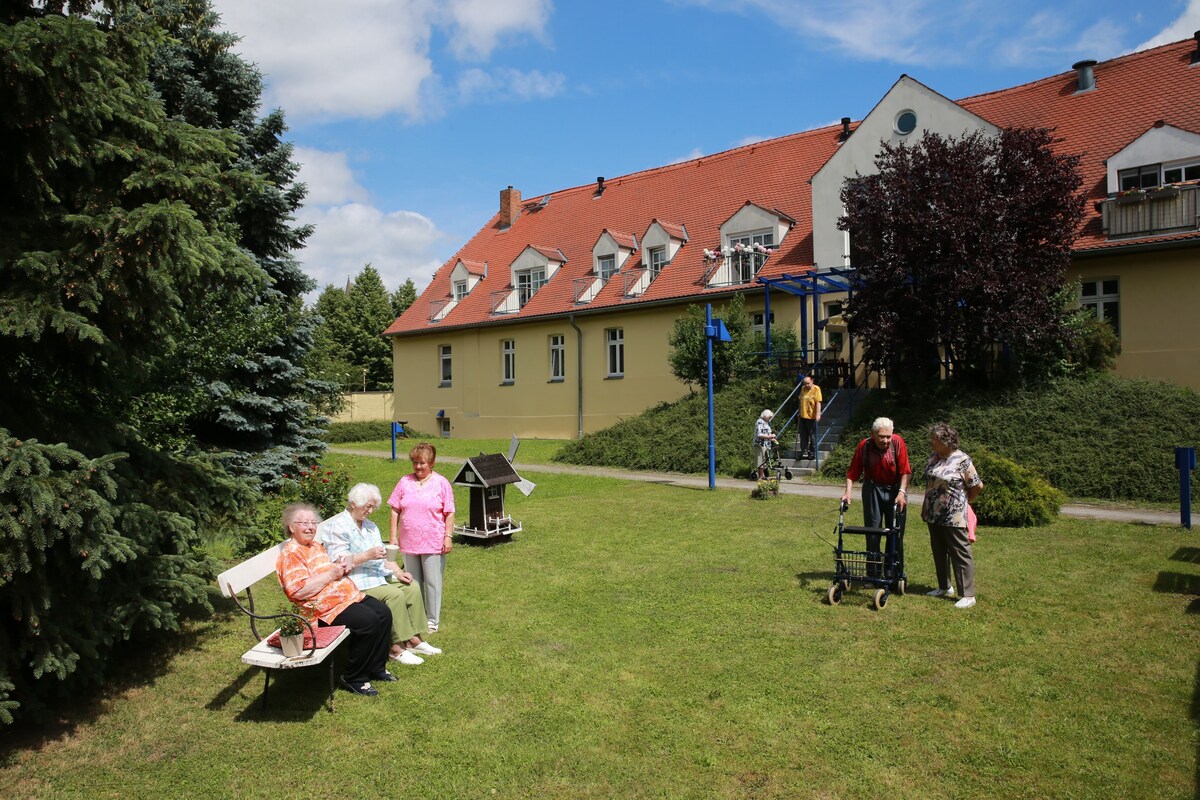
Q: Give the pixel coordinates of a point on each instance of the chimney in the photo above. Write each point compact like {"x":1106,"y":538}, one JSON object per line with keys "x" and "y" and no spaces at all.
{"x":845,"y":129}
{"x":510,"y":206}
{"x":599,"y":186}
{"x":1085,"y":79}
{"x":1196,"y":52}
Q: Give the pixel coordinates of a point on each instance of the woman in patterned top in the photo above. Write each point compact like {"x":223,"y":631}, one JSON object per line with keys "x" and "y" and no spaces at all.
{"x":352,"y":534}
{"x":312,"y":581}
{"x":950,"y":483}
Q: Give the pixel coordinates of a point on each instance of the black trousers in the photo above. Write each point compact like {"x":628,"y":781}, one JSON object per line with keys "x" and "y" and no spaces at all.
{"x":879,"y":511}
{"x":808,"y":435}
{"x":370,"y":624}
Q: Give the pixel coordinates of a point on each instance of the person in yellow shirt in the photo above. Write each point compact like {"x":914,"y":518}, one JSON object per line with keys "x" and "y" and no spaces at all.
{"x":810,"y":415}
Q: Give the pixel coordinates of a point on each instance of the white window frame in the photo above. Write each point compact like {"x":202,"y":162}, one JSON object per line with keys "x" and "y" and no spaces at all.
{"x":508,"y":361}
{"x":528,"y":283}
{"x":1146,"y":176}
{"x":1101,"y":300}
{"x":460,"y":291}
{"x":614,"y":346}
{"x":758,"y":322}
{"x":558,"y":357}
{"x":606,"y":266}
{"x":446,"y":365}
{"x":444,"y":427}
{"x":658,"y":260}
{"x":744,"y":270}
{"x":1188,"y":171}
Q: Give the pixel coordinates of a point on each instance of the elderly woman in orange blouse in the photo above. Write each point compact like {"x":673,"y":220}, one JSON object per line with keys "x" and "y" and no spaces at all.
{"x":312,"y":581}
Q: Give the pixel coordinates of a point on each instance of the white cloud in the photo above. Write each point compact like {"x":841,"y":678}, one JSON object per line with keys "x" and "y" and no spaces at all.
{"x":696,"y":153}
{"x":508,"y":84}
{"x":745,"y":140}
{"x":328,"y":177}
{"x":399,"y":244}
{"x":370,"y":58}
{"x":1182,"y":28}
{"x":479,"y":24}
{"x":362,"y":59}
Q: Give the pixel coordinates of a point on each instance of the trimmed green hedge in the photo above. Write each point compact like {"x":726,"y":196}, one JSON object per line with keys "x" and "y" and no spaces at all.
{"x":369,"y":431}
{"x":1012,"y":496}
{"x":673,"y":437}
{"x":1101,"y":436}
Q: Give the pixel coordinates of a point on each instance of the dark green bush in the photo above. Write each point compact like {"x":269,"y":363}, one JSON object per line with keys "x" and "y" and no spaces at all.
{"x":366,"y":431}
{"x":1098,"y":436}
{"x":673,"y":437}
{"x":1013,"y":496}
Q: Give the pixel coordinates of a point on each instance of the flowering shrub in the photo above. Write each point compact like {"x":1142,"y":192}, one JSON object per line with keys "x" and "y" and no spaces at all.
{"x":323,"y":487}
{"x":766,"y":489}
{"x":737,"y":249}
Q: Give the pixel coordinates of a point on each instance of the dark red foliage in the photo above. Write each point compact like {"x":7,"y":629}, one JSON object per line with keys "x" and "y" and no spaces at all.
{"x":961,"y":243}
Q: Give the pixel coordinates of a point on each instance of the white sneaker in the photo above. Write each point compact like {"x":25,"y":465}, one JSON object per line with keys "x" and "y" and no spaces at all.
{"x":966,"y":602}
{"x":426,"y":649}
{"x":407,"y":657}
{"x":432,"y":626}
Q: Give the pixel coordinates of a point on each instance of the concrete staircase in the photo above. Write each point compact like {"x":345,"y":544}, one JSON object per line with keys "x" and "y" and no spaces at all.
{"x":834,"y":416}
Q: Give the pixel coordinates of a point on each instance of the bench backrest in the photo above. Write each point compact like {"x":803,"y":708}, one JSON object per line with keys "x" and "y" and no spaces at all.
{"x":249,"y":572}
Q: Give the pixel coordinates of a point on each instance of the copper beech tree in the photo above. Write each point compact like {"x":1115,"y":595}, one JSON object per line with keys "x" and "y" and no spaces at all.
{"x":961,"y":246}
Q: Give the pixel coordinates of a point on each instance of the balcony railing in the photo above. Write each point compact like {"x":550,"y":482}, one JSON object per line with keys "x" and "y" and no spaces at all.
{"x":584,"y":290}
{"x":1170,"y":209}
{"x":735,"y":268}
{"x":504,"y":302}
{"x":438,"y":308}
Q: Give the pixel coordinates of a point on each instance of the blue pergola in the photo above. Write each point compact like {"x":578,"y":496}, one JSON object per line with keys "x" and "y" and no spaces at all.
{"x":809,"y":286}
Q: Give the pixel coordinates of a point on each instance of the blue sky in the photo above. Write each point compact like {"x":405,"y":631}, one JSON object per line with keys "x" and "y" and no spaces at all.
{"x":410,"y":116}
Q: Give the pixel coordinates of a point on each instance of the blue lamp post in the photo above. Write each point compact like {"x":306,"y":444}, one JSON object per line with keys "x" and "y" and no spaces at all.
{"x":714,"y":330}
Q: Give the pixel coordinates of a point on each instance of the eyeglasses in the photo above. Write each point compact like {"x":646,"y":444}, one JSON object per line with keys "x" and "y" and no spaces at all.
{"x":305,"y":523}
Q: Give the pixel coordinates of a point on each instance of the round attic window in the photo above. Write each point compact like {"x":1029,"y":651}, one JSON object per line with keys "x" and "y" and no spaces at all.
{"x":906,"y":122}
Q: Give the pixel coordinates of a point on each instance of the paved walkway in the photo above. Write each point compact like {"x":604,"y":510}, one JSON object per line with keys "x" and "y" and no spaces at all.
{"x":797,"y":486}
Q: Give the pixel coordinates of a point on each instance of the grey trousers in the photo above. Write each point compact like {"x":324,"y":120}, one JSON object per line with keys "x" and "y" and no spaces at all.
{"x":407,"y":607}
{"x":952,"y":551}
{"x":427,"y":570}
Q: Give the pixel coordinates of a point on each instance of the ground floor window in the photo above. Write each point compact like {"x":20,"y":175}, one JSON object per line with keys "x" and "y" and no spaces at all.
{"x":758,"y":322}
{"x":444,"y":427}
{"x":614,"y":339}
{"x":508,"y":361}
{"x":1103,"y":297}
{"x":446,"y":365}
{"x":558,"y":357}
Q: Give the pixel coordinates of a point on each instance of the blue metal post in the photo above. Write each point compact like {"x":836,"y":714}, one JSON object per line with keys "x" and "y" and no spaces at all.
{"x":393,"y":441}
{"x":709,"y":333}
{"x":1185,"y":461}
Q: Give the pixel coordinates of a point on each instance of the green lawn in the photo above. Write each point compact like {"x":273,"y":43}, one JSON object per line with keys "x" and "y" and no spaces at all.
{"x":640,"y":640}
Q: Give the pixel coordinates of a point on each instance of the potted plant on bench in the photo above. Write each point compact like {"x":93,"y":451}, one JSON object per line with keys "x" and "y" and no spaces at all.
{"x":291,"y":633}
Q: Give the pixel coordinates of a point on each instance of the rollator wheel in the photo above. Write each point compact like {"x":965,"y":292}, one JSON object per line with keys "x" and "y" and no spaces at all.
{"x":787,"y":473}
{"x":846,"y":584}
{"x":834,"y":595}
{"x":881,"y":598}
{"x":900,"y":587}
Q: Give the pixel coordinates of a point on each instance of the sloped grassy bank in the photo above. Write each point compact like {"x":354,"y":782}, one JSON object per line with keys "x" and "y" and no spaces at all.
{"x":1100,"y":437}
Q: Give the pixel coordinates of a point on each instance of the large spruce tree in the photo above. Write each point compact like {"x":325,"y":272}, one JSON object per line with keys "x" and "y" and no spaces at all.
{"x":150,"y":320}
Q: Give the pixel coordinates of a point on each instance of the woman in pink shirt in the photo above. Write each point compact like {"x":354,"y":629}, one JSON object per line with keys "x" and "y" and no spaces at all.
{"x":423,"y":526}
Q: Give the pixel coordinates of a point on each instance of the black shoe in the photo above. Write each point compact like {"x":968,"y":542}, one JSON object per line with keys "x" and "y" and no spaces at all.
{"x":384,"y":677}
{"x":363,"y":688}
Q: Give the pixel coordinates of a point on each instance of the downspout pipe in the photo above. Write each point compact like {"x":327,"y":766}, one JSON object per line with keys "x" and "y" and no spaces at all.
{"x":578,"y":373}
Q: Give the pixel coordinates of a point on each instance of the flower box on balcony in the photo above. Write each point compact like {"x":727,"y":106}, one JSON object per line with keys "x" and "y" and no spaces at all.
{"x":1135,"y":196}
{"x":1163,"y":192}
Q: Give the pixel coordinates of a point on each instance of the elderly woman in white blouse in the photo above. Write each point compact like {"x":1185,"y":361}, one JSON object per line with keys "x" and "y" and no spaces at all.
{"x":351,"y":535}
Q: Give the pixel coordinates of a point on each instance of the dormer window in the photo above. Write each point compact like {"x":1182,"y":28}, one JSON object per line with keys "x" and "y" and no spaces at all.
{"x":747,"y":254}
{"x":608,"y":267}
{"x":531,"y":270}
{"x":1181,"y":173}
{"x":463,"y":278}
{"x":610,"y":254}
{"x":460,"y":290}
{"x":1143,"y":177}
{"x":528,"y":282}
{"x":658,"y":260}
{"x":747,"y":240}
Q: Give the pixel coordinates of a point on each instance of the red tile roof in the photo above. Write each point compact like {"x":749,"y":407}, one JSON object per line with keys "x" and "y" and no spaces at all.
{"x":1132,"y":93}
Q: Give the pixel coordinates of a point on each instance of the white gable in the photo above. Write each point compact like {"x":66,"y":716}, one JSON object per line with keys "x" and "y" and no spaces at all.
{"x":656,"y":236}
{"x":1157,"y":145}
{"x":932,"y":112}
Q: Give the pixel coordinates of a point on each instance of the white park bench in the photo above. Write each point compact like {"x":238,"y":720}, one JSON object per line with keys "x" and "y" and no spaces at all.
{"x":239,"y":579}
